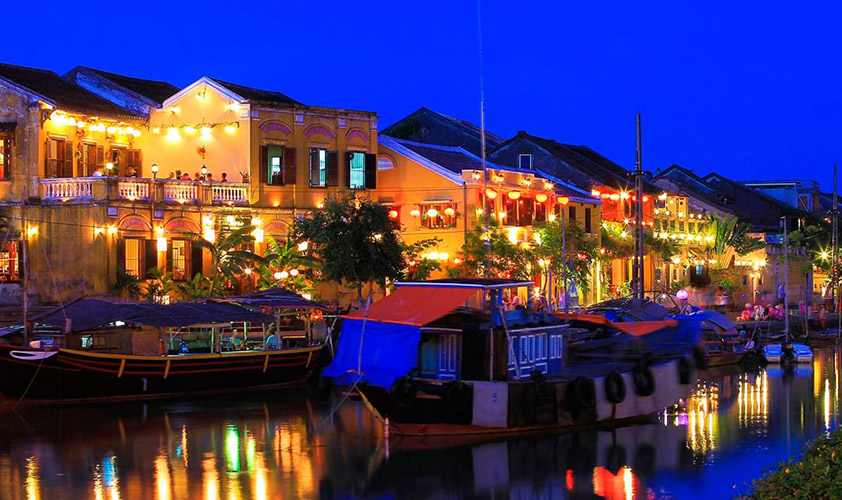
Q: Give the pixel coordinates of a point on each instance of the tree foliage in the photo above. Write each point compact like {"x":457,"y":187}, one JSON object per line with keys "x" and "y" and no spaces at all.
{"x":355,"y":239}
{"x":418,"y":267}
{"x":286,"y":257}
{"x":581,"y":252}
{"x":490,"y":254}
{"x":729,"y":238}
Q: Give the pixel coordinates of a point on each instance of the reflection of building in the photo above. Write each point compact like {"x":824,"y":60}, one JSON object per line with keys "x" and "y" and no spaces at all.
{"x":111,"y":165}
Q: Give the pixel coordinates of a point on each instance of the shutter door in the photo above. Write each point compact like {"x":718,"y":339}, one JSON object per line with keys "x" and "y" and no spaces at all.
{"x":100,"y":156}
{"x":264,"y":165}
{"x":150,"y":255}
{"x":121,"y":255}
{"x":371,"y":171}
{"x":314,"y":167}
{"x":196,"y":253}
{"x":290,"y":171}
{"x":68,"y":159}
{"x":332,"y":173}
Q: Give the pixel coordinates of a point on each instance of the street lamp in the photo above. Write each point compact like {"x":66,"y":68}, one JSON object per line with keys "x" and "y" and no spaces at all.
{"x":154,"y":170}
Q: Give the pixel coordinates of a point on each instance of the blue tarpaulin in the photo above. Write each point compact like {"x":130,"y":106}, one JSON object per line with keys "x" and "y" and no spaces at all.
{"x":390,"y":351}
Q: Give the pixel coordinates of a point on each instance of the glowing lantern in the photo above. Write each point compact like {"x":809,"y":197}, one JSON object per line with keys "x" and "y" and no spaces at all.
{"x":432,"y":212}
{"x":415,"y":212}
{"x":645,"y":198}
{"x":293,"y":272}
{"x":302,"y":247}
{"x":449,"y":211}
{"x":258,"y":235}
{"x":540,"y":198}
{"x":277,"y":275}
{"x":393,"y":214}
{"x":490,"y":194}
{"x":284,"y":275}
{"x":513,"y":195}
{"x":595,"y":193}
{"x":681,"y":294}
{"x":563,"y":200}
{"x":162,"y":244}
{"x":229,"y":129}
{"x":615,"y":197}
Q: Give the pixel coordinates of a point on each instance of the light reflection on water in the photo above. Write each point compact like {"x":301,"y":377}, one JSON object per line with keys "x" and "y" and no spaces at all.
{"x":283,"y":446}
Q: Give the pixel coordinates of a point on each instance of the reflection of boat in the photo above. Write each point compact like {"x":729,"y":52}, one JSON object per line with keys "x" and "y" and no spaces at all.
{"x":788,"y":352}
{"x":433,"y":367}
{"x":85,"y":373}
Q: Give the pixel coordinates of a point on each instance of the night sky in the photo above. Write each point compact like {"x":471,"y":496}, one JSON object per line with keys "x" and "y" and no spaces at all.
{"x":746,"y":90}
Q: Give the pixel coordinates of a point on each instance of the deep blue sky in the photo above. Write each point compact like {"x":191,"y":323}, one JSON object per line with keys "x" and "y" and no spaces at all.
{"x":750,"y":90}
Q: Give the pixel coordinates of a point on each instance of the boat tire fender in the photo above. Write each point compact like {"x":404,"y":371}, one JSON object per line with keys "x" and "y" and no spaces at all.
{"x":700,"y":357}
{"x":684,"y":370}
{"x":615,"y":388}
{"x":403,"y":392}
{"x":644,"y":381}
{"x":581,"y":392}
{"x":457,"y":400}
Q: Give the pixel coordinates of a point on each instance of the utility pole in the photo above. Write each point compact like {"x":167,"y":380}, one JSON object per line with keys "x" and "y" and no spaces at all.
{"x":786,"y":279}
{"x":834,"y":258}
{"x":637,"y":264}
{"x":24,"y":233}
{"x":484,"y":195}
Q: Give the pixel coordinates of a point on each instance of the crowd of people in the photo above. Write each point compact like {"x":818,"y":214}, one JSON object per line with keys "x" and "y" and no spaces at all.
{"x":756,"y":312}
{"x":197,"y":177}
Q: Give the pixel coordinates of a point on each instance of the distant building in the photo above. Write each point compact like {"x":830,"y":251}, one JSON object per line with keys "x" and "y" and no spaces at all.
{"x":799,"y":194}
{"x":429,"y":127}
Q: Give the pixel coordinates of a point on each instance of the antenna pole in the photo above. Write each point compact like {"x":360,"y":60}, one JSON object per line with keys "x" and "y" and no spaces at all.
{"x":637,"y":265}
{"x":487,"y":216}
{"x":24,"y":232}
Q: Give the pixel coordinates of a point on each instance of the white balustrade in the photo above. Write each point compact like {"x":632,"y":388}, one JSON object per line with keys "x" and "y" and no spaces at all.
{"x":181,"y":191}
{"x":80,"y":188}
{"x":130,"y":189}
{"x":226,"y":192}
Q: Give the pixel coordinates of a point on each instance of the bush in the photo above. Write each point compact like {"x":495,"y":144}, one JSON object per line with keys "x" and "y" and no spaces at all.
{"x":815,"y":474}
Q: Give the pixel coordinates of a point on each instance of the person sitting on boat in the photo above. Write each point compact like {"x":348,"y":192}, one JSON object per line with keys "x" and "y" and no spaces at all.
{"x":234,"y":342}
{"x":778,"y":311}
{"x":747,"y":312}
{"x":272,"y":343}
{"x":184,"y":348}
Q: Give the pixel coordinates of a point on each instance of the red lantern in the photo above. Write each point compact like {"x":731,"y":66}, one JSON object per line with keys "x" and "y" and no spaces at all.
{"x":563,"y":200}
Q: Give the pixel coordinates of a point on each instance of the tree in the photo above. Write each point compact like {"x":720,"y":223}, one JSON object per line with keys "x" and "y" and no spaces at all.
{"x":355,"y":239}
{"x":418,"y":267}
{"x":228,"y":260}
{"x":581,"y":252}
{"x":287,"y":257}
{"x":158,"y":285}
{"x":490,"y":254}
{"x":729,"y":237}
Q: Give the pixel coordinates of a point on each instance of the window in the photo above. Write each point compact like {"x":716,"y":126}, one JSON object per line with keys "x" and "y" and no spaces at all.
{"x":438,"y":215}
{"x":385,"y":163}
{"x":540,"y":212}
{"x":275,"y":165}
{"x":524,"y":161}
{"x":178,"y":268}
{"x":59,"y":158}
{"x":10,"y":262}
{"x":319,"y":167}
{"x":588,"y":228}
{"x":134,"y":259}
{"x":5,"y":157}
{"x":423,"y":134}
{"x":93,"y":158}
{"x":571,"y":215}
{"x":356,"y":170}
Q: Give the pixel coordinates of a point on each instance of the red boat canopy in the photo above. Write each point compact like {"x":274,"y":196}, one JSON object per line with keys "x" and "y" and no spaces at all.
{"x":410,"y":305}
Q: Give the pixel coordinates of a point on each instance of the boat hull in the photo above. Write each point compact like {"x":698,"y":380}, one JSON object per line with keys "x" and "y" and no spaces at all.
{"x":800,"y":354}
{"x":35,"y":376}
{"x":549,"y":405}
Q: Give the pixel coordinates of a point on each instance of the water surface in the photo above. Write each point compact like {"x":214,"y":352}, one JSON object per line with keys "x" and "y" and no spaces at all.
{"x":284,"y":446}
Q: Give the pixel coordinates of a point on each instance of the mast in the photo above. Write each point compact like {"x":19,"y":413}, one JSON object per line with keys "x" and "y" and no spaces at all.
{"x":482,"y":140}
{"x":637,"y":264}
{"x":834,"y":259}
{"x":786,"y":279}
{"x":25,"y":254}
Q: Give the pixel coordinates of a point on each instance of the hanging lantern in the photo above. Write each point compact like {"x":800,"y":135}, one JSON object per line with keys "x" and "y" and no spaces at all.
{"x":615,"y":197}
{"x":432,"y":212}
{"x":490,"y":194}
{"x":513,"y":195}
{"x":393,"y":214}
{"x":449,"y":211}
{"x":595,"y":193}
{"x":563,"y":200}
{"x":415,"y":212}
{"x":540,"y":197}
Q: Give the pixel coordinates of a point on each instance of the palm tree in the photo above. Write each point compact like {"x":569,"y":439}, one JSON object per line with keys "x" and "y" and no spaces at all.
{"x":287,"y":257}
{"x":727,"y":237}
{"x":228,"y":260}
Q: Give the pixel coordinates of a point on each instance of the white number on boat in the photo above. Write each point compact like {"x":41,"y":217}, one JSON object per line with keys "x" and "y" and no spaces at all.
{"x":29,"y":355}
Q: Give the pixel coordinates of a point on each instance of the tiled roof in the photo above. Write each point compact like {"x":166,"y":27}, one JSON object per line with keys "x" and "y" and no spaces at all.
{"x":593,"y":165}
{"x":151,"y":89}
{"x":253,"y":94}
{"x":492,"y":140}
{"x":65,"y":95}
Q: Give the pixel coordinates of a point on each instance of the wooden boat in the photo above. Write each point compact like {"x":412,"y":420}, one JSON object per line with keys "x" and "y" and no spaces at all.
{"x":68,"y":369}
{"x":429,"y":366}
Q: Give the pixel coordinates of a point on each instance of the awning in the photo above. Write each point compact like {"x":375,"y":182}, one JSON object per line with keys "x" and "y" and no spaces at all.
{"x":636,"y":328}
{"x":85,"y":314}
{"x":417,"y":306}
{"x":279,"y":298}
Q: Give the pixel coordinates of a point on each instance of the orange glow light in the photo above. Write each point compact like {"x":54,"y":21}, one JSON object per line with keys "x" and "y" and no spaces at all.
{"x":393,"y":214}
{"x":415,"y":212}
{"x":490,"y":193}
{"x":513,"y":195}
{"x":449,"y":211}
{"x":563,"y":200}
{"x":540,"y":198}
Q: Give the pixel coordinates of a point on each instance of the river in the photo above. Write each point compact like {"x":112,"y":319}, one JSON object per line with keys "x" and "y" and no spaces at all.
{"x":284,"y":446}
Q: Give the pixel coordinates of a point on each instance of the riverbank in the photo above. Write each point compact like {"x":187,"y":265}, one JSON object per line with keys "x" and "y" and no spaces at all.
{"x":815,"y":474}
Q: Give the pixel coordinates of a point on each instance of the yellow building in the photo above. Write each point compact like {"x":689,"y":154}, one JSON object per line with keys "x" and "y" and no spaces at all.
{"x":440,"y":192}
{"x":99,"y":178}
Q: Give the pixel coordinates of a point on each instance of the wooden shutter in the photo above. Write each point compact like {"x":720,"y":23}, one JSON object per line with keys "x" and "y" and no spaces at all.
{"x":169,"y":268}
{"x":346,"y":168}
{"x":314,"y":167}
{"x":121,"y":254}
{"x":67,"y":169}
{"x":150,"y":255}
{"x":332,"y":170}
{"x":290,"y":170}
{"x":196,"y":253}
{"x":100,"y":156}
{"x":371,"y":171}
{"x":47,"y":172}
{"x":264,"y":165}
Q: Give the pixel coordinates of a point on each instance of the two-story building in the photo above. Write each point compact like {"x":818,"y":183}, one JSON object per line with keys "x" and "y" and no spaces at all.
{"x":109,"y":164}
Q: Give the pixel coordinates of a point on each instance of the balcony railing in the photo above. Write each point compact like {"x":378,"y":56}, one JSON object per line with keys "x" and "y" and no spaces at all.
{"x":85,"y":189}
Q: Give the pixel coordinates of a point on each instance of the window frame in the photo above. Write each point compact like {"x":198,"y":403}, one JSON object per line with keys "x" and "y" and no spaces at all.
{"x":520,"y":159}
{"x":6,"y":140}
{"x":270,"y":177}
{"x":361,"y":172}
{"x":322,"y":167}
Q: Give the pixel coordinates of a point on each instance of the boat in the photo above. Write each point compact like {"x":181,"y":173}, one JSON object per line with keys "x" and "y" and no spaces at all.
{"x":788,"y":352}
{"x":173,"y":350}
{"x":443,"y":357}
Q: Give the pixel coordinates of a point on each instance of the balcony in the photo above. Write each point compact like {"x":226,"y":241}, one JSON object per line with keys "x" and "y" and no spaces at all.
{"x":89,"y":189}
